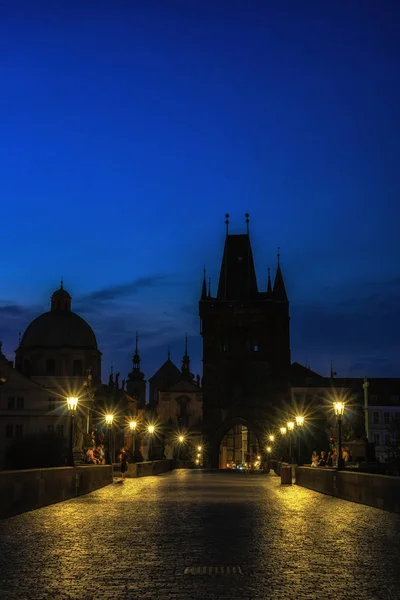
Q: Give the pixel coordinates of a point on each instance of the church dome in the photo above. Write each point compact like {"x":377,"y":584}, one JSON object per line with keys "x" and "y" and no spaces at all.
{"x":60,"y":327}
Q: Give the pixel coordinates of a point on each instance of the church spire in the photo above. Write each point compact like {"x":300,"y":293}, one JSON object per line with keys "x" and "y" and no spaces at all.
{"x":136,"y":356}
{"x":186,"y":360}
{"x":279,"y":286}
{"x":204,"y":286}
{"x":269,"y":288}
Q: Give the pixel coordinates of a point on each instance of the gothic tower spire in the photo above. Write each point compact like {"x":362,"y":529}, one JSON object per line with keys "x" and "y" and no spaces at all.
{"x":279,"y":286}
{"x":136,"y":356}
{"x":204,"y":286}
{"x":269,"y":289}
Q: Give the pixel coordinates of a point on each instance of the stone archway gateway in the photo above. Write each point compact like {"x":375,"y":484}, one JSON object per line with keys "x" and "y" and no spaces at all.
{"x":237,"y":444}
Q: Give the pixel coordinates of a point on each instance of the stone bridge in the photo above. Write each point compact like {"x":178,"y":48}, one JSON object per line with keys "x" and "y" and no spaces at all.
{"x":197,"y":535}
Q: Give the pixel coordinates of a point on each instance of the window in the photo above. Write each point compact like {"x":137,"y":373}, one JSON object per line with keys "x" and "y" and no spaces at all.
{"x":377,"y":439}
{"x":77,"y":368}
{"x":255,"y":348}
{"x":11,"y":403}
{"x":50,"y":428}
{"x":20,"y":403}
{"x":9,"y":430}
{"x":60,"y":430}
{"x":50,"y":366}
{"x":386,"y":418}
{"x":387,"y":439}
{"x":52,"y":403}
{"x":19,"y":430}
{"x":375,"y":417}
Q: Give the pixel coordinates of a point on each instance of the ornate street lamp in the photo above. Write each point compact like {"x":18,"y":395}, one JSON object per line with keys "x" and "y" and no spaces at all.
{"x":109,"y":422}
{"x":299,"y":423}
{"x":290,"y":426}
{"x":132,"y":426}
{"x":181,"y":440}
{"x":269,"y":449}
{"x":151,"y":429}
{"x":283,"y":430}
{"x":272,"y":437}
{"x":339,"y":410}
{"x":72,"y":403}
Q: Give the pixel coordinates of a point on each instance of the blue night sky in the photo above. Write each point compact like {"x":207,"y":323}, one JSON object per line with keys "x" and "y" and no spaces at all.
{"x":128,"y":129}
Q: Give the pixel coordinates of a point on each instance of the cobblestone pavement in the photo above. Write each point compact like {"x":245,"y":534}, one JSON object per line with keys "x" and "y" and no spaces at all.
{"x":136,"y":540}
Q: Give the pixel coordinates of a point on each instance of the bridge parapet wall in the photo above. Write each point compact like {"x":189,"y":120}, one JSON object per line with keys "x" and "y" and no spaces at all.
{"x":25,"y":490}
{"x":155,"y":467}
{"x":380,"y":491}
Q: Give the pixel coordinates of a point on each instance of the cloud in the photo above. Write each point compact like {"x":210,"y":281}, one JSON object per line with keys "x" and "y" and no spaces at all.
{"x":358,"y":327}
{"x":124,"y":290}
{"x":12,"y":310}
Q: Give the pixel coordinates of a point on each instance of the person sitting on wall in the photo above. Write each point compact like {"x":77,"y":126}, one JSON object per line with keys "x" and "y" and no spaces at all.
{"x":314,"y":459}
{"x":90,"y":457}
{"x":322,"y":460}
{"x":99,"y":455}
{"x":329,"y":462}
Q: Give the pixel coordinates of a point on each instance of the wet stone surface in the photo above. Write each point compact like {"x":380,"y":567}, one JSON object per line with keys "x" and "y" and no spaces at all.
{"x":136,"y":540}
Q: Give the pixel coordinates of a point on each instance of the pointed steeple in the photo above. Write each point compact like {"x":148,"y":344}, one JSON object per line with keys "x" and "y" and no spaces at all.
{"x":269,"y":288}
{"x":136,"y":373}
{"x":186,"y":361}
{"x":279,"y":286}
{"x":136,"y":356}
{"x":209,"y":287}
{"x":169,"y":352}
{"x":204,"y":286}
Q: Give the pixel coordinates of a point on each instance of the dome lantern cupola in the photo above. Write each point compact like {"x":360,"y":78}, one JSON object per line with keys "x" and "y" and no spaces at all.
{"x":60,"y":299}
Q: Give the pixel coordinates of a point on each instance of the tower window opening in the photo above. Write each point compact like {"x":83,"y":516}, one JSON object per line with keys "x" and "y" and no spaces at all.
{"x":255,"y":348}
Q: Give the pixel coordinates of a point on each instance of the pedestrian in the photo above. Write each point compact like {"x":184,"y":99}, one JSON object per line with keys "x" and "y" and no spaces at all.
{"x":123,"y":457}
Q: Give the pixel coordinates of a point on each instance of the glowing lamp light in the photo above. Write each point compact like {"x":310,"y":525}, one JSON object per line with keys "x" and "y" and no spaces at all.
{"x":339,"y":408}
{"x":197,"y":461}
{"x":283,"y":430}
{"x":133,"y":425}
{"x":269,"y":449}
{"x":198,"y":456}
{"x":181,"y":439}
{"x":109,"y":419}
{"x":271,"y":438}
{"x":299,"y":421}
{"x":290,"y":425}
{"x":151,"y":428}
{"x":258,"y":457}
{"x":72,"y":402}
{"x":199,"y":448}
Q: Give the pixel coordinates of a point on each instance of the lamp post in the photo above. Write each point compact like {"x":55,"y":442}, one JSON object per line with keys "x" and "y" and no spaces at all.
{"x":181,"y":440}
{"x":290,"y":426}
{"x":132,"y":426}
{"x":109,"y":422}
{"x":299,"y":423}
{"x":151,"y":430}
{"x":339,"y":410}
{"x":283,"y":431}
{"x":72,"y":403}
